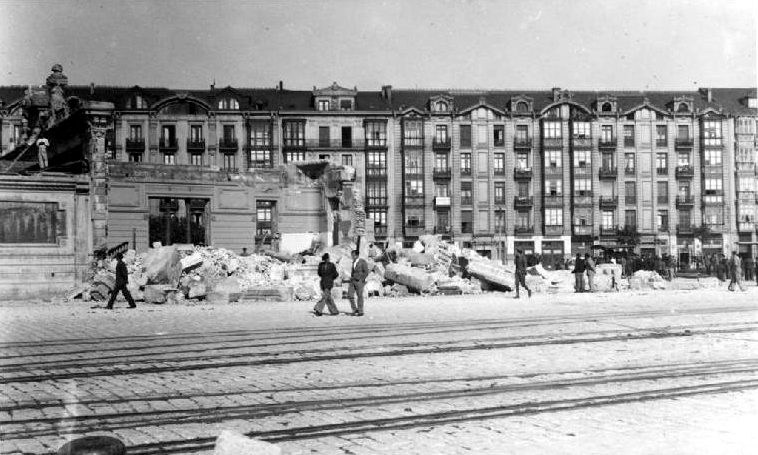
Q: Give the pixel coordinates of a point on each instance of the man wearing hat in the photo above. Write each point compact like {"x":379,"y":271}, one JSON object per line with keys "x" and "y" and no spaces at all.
{"x":122,"y":279}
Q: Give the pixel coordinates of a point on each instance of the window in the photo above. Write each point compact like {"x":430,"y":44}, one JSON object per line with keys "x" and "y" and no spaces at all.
{"x":522,"y":134}
{"x":440,"y":134}
{"x":712,"y":157}
{"x":440,"y":162}
{"x":346,"y":105}
{"x":554,"y":187}
{"x":630,"y":218}
{"x":264,"y":212}
{"x":439,"y":106}
{"x":661,"y":163}
{"x":467,"y":227}
{"x":499,"y":192}
{"x":414,"y":188}
{"x":324,"y":105}
{"x":552,"y":158}
{"x":553,"y":217}
{"x":685,"y":219}
{"x":662,"y":191}
{"x":466,"y":195}
{"x":294,"y":133}
{"x":376,"y":164}
{"x":139,"y":102}
{"x":500,"y":163}
{"x":522,"y":160}
{"x":376,"y":134}
{"x":713,"y":215}
{"x":582,"y":158}
{"x":713,"y":186}
{"x":465,"y":163}
{"x":260,"y":158}
{"x":323,"y":136}
{"x":465,"y":135}
{"x":347,"y":160}
{"x":662,"y":220}
{"x":629,"y":163}
{"x":168,"y":136}
{"x":683,"y":132}
{"x":135,"y":132}
{"x":499,"y":221}
{"x":16,"y":135}
{"x":169,"y":158}
{"x":260,"y":134}
{"x":606,"y":161}
{"x":442,"y":190}
{"x":498,"y":135}
{"x":376,"y":193}
{"x":196,"y":159}
{"x":752,"y":103}
{"x":606,"y":134}
{"x":347,"y":136}
{"x":552,"y":130}
{"x":629,"y":135}
{"x":522,"y":107}
{"x":746,"y":184}
{"x":522,"y":220}
{"x":523,"y":189}
{"x":228,"y":103}
{"x":661,"y":136}
{"x":413,"y":163}
{"x":481,"y":134}
{"x":379,"y":216}
{"x":483,"y":221}
{"x":745,"y":155}
{"x":683,"y":189}
{"x":293,"y":157}
{"x":683,"y":159}
{"x":630,"y":191}
{"x":582,"y":187}
{"x":581,"y":129}
{"x":412,"y":133}
{"x":608,"y":219}
{"x":229,"y":135}
{"x":711,"y":133}
{"x":229,"y":161}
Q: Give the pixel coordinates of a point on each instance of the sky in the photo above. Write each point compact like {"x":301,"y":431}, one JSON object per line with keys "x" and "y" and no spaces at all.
{"x":450,"y":44}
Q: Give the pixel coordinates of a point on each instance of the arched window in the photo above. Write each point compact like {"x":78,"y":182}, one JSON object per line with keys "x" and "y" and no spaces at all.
{"x":139,"y":102}
{"x":228,"y":103}
{"x":522,"y":107}
{"x":607,"y":107}
{"x":440,"y":106}
{"x":683,"y":108}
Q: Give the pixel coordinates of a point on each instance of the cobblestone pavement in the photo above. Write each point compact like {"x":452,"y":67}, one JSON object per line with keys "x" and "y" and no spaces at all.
{"x":637,"y":373}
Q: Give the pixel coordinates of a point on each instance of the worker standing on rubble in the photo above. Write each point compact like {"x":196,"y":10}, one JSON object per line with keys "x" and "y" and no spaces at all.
{"x":328,"y":273}
{"x":358,"y":275}
{"x":579,"y":273}
{"x":122,"y":279}
{"x":521,"y":273}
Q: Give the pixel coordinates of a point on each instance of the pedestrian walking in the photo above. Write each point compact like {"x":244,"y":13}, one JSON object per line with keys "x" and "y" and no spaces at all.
{"x":579,"y":274}
{"x":749,"y":268}
{"x":614,"y":283}
{"x":328,"y":273}
{"x":122,"y":279}
{"x":589,"y":266}
{"x":358,"y":275}
{"x":521,"y":273}
{"x":735,"y":272}
{"x":722,"y":269}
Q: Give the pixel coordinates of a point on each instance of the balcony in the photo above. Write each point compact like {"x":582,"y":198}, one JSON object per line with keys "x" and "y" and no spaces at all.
{"x":442,"y":201}
{"x":685,"y":143}
{"x":522,"y":173}
{"x":552,"y":142}
{"x":413,"y":201}
{"x":196,"y":144}
{"x":331,"y":144}
{"x":684,"y":229}
{"x":499,"y":171}
{"x":228,"y":144}
{"x":713,"y":169}
{"x":523,"y":230}
{"x":523,"y":201}
{"x":554,"y":170}
{"x":630,"y":200}
{"x":413,"y":142}
{"x":553,"y":201}
{"x":465,"y":171}
{"x":582,"y":230}
{"x":375,"y":172}
{"x":629,"y":142}
{"x":441,"y":143}
{"x":661,"y":143}
{"x":499,"y":142}
{"x":413,"y":231}
{"x":685,"y":172}
{"x":712,"y":142}
{"x":607,"y":143}
{"x":662,"y":171}
{"x":135,"y":144}
{"x":609,"y":201}
{"x":521,"y":143}
{"x":293,"y":142}
{"x":581,"y":143}
{"x":376,"y":201}
{"x":608,"y":231}
{"x":378,"y":143}
{"x":466,"y":200}
{"x":629,"y":171}
{"x":662,"y":200}
{"x":583,"y":200}
{"x":553,"y":230}
{"x":380,"y":231}
{"x":582,"y":170}
{"x":441,"y":173}
{"x":608,"y":173}
{"x":746,"y":226}
{"x":745,"y":167}
{"x":685,"y":201}
{"x":168,"y":143}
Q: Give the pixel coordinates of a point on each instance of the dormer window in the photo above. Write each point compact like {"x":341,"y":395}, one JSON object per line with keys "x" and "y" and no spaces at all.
{"x":607,"y":107}
{"x":323,"y":105}
{"x":228,"y":103}
{"x":440,"y":106}
{"x":752,"y":103}
{"x":683,"y":107}
{"x":521,"y":106}
{"x":346,"y":105}
{"x":482,"y":113}
{"x":137,"y":102}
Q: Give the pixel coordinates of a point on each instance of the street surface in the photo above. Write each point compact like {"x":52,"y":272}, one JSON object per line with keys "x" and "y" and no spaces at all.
{"x":655,"y":372}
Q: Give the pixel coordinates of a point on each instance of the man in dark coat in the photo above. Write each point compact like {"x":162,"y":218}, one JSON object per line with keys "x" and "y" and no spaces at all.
{"x":358,"y":274}
{"x":122,"y":279}
{"x":328,"y":273}
{"x":579,"y":274}
{"x":521,"y":273}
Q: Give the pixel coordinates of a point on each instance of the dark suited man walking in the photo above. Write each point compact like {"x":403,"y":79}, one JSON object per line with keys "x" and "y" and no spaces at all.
{"x":328,"y":273}
{"x":122,"y":278}
{"x":357,"y":283}
{"x":521,"y":273}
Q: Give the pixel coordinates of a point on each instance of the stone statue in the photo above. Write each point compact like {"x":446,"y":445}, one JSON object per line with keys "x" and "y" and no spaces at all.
{"x":55,"y":84}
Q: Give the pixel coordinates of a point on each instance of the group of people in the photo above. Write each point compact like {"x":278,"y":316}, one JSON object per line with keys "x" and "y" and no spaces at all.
{"x":586,"y":265}
{"x":327,"y":273}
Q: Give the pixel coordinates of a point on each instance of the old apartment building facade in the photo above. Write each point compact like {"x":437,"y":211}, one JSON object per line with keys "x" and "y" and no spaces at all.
{"x":553,"y":172}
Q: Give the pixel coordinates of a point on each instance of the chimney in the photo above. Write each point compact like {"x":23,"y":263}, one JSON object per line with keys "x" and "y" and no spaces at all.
{"x":556,"y":93}
{"x":387,"y":93}
{"x":709,"y":94}
{"x":91,"y":88}
{"x":281,"y":86}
